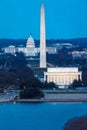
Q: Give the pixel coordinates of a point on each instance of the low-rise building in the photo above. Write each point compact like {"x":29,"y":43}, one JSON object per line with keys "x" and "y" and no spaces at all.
{"x":79,"y":54}
{"x":10,"y":49}
{"x":62,"y":76}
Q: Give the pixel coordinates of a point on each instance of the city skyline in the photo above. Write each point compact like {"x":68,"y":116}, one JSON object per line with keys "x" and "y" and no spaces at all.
{"x":64,"y":19}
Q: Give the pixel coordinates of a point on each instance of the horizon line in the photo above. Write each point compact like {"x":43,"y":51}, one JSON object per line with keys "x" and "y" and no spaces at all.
{"x":46,"y":39}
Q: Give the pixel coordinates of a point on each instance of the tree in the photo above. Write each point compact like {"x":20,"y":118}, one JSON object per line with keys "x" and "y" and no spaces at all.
{"x":31,"y":93}
{"x":32,"y":82}
{"x":14,"y":69}
{"x":1,"y":89}
{"x":76,"y":83}
{"x":49,"y":85}
{"x":76,"y":124}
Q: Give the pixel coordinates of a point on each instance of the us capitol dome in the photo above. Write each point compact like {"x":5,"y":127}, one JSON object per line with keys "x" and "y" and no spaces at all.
{"x":30,"y":47}
{"x":30,"y":42}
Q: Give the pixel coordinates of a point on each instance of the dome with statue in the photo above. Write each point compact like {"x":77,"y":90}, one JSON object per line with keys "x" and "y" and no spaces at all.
{"x":30,"y":42}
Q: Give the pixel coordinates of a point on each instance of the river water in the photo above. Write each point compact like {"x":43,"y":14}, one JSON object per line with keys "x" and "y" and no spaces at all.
{"x":39,"y":116}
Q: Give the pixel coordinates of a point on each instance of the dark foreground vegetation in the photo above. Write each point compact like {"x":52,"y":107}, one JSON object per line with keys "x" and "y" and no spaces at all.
{"x":32,"y":89}
{"x":31,"y":93}
{"x":13,"y":70}
{"x":76,"y":84}
{"x":16,"y":74}
{"x":76,"y":124}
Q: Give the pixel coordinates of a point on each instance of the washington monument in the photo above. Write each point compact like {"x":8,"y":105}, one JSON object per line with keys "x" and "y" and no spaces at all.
{"x":42,"y":39}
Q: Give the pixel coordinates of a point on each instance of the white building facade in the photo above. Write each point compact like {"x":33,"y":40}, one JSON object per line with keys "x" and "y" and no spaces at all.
{"x":62,"y":76}
{"x":30,"y":49}
{"x":10,"y":49}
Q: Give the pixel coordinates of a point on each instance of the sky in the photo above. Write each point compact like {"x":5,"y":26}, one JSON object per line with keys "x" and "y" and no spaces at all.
{"x":65,"y":19}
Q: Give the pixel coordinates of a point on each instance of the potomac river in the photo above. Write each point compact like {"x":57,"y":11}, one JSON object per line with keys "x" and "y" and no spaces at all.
{"x":39,"y":116}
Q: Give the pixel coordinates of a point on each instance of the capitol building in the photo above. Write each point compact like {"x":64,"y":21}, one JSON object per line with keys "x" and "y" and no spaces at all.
{"x":29,"y":49}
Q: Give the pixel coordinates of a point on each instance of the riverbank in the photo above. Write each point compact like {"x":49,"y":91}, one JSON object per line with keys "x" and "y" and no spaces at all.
{"x":49,"y":96}
{"x":46,"y":100}
{"x":8,"y":96}
{"x":59,"y":97}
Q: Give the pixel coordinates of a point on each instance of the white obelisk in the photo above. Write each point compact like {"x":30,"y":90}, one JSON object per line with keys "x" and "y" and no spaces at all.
{"x":42,"y":39}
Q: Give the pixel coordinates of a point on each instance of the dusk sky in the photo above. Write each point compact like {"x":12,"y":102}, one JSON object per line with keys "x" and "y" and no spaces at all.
{"x":64,"y":18}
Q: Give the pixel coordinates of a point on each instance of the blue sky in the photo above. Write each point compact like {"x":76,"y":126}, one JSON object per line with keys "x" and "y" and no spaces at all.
{"x":64,"y":18}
